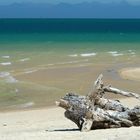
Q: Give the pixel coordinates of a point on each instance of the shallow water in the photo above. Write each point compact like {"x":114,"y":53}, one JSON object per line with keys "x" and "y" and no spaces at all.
{"x":37,"y":68}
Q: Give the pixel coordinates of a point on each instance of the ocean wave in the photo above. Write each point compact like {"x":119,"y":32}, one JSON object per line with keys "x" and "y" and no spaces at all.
{"x":24,"y":59}
{"x":118,"y":54}
{"x":88,"y":54}
{"x":8,"y":77}
{"x":72,"y":62}
{"x":11,"y":79}
{"x":131,"y":52}
{"x":28,"y":104}
{"x":30,"y":71}
{"x":6,"y":63}
{"x":84,"y":65}
{"x":115,"y":53}
{"x":6,"y":56}
{"x":16,"y":90}
{"x":4,"y":74}
{"x":73,"y":55}
{"x":83,"y":55}
{"x":50,"y":64}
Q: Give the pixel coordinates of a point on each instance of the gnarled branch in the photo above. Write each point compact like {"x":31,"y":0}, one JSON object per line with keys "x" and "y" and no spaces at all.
{"x":94,"y":111}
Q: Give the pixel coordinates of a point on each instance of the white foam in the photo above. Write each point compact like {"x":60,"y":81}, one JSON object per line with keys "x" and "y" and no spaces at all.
{"x":118,"y":54}
{"x":6,"y":56}
{"x":113,"y":52}
{"x":84,"y":65}
{"x":28,"y":104}
{"x":11,"y":79}
{"x":133,"y":53}
{"x":73,"y":55}
{"x":72,"y":62}
{"x":16,"y":90}
{"x":51,"y":64}
{"x":6,"y":63}
{"x":4,"y":74}
{"x":8,"y":77}
{"x":24,"y":59}
{"x":30,"y":71}
{"x":130,"y":50}
{"x":88,"y":54}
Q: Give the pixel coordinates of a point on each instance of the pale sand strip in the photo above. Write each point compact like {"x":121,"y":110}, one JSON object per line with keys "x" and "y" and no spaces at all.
{"x":131,"y":73}
{"x":50,"y":124}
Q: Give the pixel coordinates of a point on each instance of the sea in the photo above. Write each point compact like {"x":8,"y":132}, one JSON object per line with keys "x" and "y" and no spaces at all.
{"x":42,"y":59}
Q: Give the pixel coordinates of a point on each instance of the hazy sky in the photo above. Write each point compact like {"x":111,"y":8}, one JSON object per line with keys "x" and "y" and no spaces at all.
{"x":69,"y":1}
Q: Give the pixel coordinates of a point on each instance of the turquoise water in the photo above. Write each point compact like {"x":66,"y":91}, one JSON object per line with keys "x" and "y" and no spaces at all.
{"x":69,"y":30}
{"x":46,"y":34}
{"x":40,"y":59}
{"x":69,"y":25}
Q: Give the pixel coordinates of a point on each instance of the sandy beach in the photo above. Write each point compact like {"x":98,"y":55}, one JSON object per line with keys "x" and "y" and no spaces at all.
{"x":50,"y":124}
{"x":40,"y":63}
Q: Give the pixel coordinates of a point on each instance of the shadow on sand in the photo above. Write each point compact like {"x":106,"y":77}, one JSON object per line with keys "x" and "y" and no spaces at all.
{"x":62,"y":130}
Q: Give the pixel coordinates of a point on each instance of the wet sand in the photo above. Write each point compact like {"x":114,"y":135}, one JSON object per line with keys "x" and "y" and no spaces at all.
{"x":131,"y":73}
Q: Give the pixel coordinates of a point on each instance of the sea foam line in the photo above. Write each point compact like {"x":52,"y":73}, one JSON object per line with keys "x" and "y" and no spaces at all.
{"x":73,"y":55}
{"x":131,"y":52}
{"x":30,"y":71}
{"x":11,"y":79}
{"x":88,"y":54}
{"x":6,"y":56}
{"x":8,"y":77}
{"x":5,"y":63}
{"x":83,"y":55}
{"x":115,"y":53}
{"x":28,"y":104}
{"x":4,"y":74}
{"x":24,"y":59}
{"x":119,"y":54}
{"x":72,"y":62}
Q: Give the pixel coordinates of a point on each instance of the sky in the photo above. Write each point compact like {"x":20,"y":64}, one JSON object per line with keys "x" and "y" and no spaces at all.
{"x":115,"y":9}
{"x":67,"y":1}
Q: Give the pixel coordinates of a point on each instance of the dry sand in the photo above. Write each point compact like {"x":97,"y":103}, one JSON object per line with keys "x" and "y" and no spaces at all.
{"x":50,"y":124}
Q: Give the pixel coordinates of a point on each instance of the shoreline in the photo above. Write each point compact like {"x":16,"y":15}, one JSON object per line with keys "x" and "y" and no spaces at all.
{"x":49,"y":122}
{"x":124,"y":73}
{"x":27,"y":109}
{"x":130,"y":73}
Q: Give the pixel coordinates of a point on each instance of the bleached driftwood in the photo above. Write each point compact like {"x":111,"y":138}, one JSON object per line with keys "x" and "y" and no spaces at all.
{"x":94,"y":111}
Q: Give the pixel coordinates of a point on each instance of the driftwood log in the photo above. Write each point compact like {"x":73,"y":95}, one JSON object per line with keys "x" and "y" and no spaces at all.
{"x":96,"y":112}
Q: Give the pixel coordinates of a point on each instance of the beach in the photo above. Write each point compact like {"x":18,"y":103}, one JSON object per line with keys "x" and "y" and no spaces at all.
{"x":42,"y":124}
{"x":39,"y":64}
{"x":41,"y":61}
{"x":50,"y":123}
{"x":34,"y":79}
{"x":131,"y":73}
